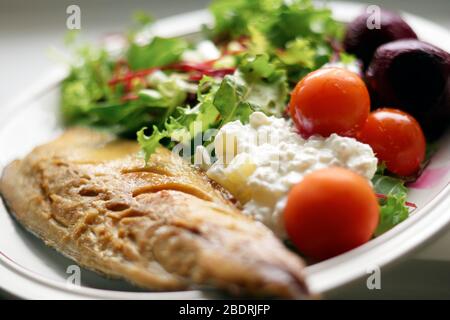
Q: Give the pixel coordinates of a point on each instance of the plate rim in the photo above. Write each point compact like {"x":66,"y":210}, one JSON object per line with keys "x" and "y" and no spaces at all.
{"x":321,"y":277}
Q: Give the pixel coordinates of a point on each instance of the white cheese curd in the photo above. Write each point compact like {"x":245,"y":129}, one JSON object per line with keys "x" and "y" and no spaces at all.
{"x":261,"y":161}
{"x":204,"y":51}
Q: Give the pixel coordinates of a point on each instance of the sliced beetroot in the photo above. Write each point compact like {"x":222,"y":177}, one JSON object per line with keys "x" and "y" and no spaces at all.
{"x":413,"y":76}
{"x":363,"y":41}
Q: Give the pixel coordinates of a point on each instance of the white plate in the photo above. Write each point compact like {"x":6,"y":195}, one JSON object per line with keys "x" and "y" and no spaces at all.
{"x":29,"y":269}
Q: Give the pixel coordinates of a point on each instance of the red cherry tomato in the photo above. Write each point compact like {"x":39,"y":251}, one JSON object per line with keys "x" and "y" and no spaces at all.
{"x":330,"y":100}
{"x":396,"y":138}
{"x":331,"y":211}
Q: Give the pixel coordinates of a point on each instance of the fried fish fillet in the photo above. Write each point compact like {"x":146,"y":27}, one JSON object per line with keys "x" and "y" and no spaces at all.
{"x":163,"y":226}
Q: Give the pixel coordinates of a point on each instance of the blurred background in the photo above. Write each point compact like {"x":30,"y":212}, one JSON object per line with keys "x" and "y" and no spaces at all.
{"x":28,"y":29}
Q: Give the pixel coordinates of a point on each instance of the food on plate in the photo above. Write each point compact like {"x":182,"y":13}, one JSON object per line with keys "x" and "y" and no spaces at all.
{"x":414,"y":76}
{"x":258,"y":131}
{"x":153,"y":81}
{"x":261,"y":161}
{"x":397,"y":140}
{"x":162,"y":226}
{"x":372,"y":29}
{"x":331,"y":211}
{"x":330,"y":100}
{"x":263,"y":67}
{"x":392,"y":194}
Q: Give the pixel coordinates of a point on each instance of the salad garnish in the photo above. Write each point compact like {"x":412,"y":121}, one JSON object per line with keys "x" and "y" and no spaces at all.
{"x":175,"y":93}
{"x":271,"y":44}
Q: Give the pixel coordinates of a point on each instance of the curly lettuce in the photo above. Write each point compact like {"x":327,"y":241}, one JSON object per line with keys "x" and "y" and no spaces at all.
{"x":299,"y":35}
{"x":393,"y":209}
{"x":257,"y":85}
{"x":88,"y":98}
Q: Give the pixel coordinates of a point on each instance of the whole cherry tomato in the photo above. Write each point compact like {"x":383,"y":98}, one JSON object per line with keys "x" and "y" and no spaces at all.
{"x":396,"y":138}
{"x":330,"y":100}
{"x":331,"y":211}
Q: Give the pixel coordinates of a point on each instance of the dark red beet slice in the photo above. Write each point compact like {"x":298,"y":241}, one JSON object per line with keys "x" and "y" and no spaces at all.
{"x":413,"y":76}
{"x":363,"y":41}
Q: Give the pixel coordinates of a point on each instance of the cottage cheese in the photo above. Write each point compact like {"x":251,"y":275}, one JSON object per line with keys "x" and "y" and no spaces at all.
{"x":204,"y":51}
{"x":259,"y":163}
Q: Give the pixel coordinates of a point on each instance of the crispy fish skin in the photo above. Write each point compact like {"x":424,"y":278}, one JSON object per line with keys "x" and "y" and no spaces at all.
{"x":164,"y":226}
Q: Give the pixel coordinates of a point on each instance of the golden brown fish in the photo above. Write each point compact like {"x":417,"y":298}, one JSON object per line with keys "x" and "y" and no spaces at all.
{"x":163,"y":227}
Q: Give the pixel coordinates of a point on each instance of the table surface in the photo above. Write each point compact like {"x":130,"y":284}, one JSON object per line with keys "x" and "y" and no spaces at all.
{"x":29,"y":30}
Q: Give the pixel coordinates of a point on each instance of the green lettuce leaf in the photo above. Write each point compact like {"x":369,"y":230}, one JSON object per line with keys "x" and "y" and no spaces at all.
{"x":393,"y":209}
{"x":89,"y":99}
{"x":302,"y":18}
{"x":298,"y":52}
{"x":265,"y":83}
{"x":151,"y":143}
{"x":257,"y":85}
{"x":234,"y":17}
{"x":230,"y":100}
{"x":168,"y":93}
{"x":295,"y":32}
{"x":86,"y":84}
{"x":392,"y":212}
{"x":143,"y":18}
{"x":158,"y":52}
{"x":187,"y":123}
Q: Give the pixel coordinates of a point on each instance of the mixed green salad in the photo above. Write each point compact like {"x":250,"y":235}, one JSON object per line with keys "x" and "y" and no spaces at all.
{"x":265,"y":47}
{"x":160,"y":90}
